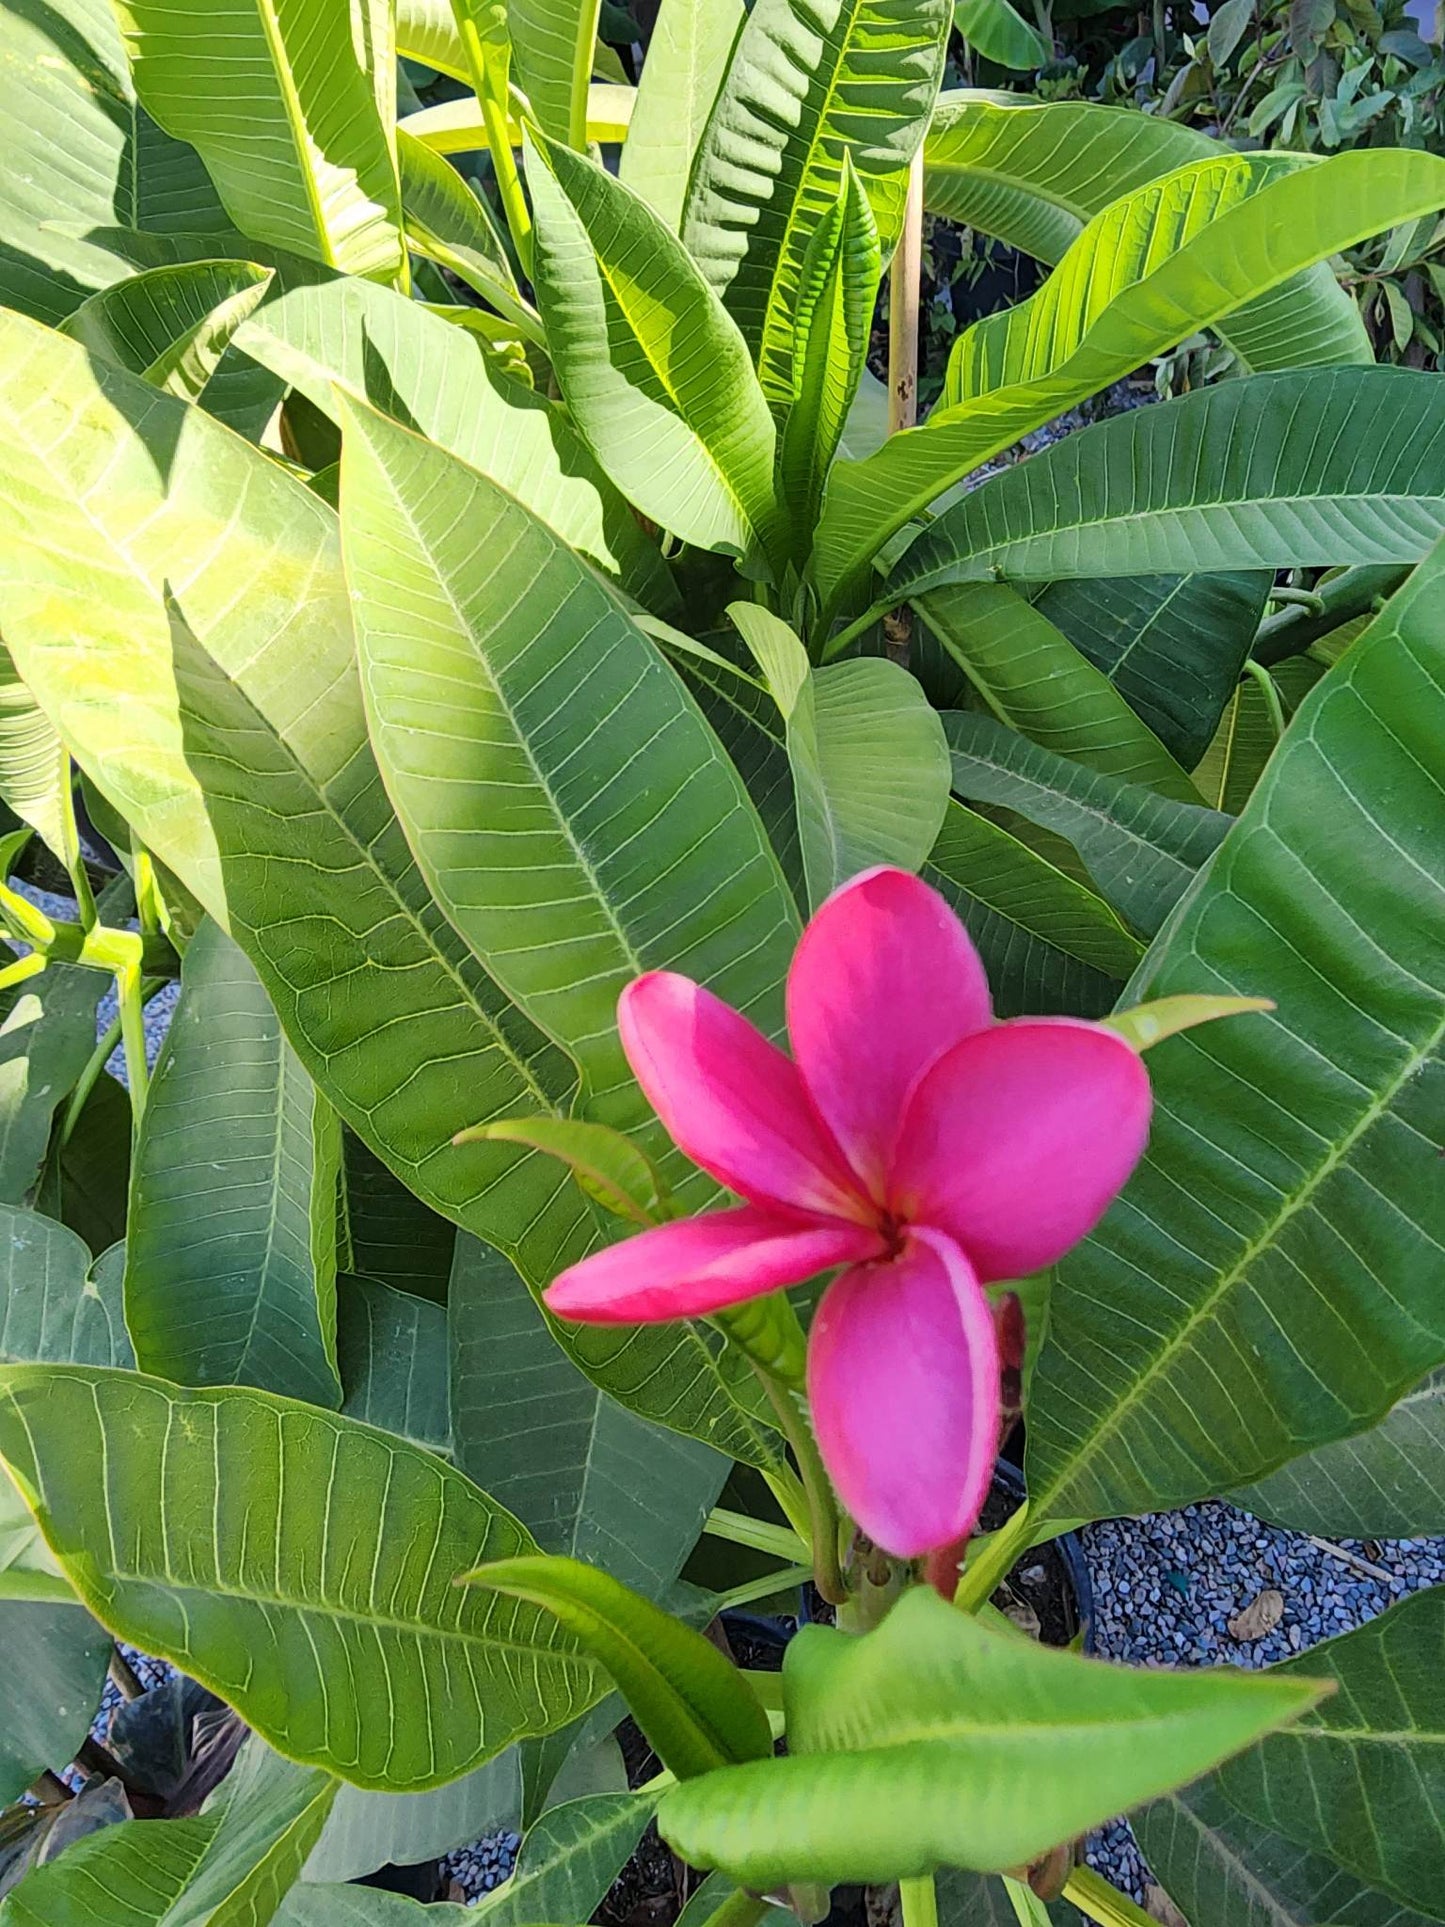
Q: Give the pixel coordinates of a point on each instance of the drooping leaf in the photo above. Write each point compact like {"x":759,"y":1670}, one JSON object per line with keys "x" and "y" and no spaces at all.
{"x":448,"y":222}
{"x":687,"y":58}
{"x":993,"y":29}
{"x":1049,"y":943}
{"x":1141,"y":849}
{"x":34,"y":768}
{"x":609,"y":1167}
{"x":1228,"y":1872}
{"x":473,"y":618}
{"x":938,"y":1740}
{"x":1151,"y":269}
{"x":806,"y":82}
{"x":552,"y":43}
{"x":1034,"y":172}
{"x":437,"y":379}
{"x":1387,"y":1483}
{"x":694,"y":1707}
{"x":1228,"y":477}
{"x":256,"y":698}
{"x":1363,"y":1783}
{"x":171,"y":325}
{"x":46,"y":1040}
{"x":869,"y":761}
{"x":837,"y":294}
{"x":231,"y":1243}
{"x":229,"y":1866}
{"x":85,"y":1184}
{"x":365,"y":1831}
{"x":568,"y":1860}
{"x":585,"y":1474}
{"x":274,"y":98}
{"x":1267,"y":1282}
{"x":654,"y":369}
{"x":147,"y":1494}
{"x":391,"y":1352}
{"x":1173,"y":646}
{"x":1033,"y":679}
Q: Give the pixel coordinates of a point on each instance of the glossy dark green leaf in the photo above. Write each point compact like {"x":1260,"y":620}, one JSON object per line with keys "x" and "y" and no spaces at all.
{"x":391,"y":1352}
{"x":387,"y":1233}
{"x":86,"y":1181}
{"x":46,"y":1041}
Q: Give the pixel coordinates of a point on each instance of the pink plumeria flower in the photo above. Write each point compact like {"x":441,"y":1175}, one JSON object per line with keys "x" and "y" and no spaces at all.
{"x":910,"y":1139}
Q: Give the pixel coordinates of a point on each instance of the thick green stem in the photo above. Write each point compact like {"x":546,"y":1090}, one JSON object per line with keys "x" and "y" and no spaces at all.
{"x":822,"y":1506}
{"x":920,"y":1901}
{"x":489,"y":83}
{"x":133,"y":1038}
{"x":992,"y":1561}
{"x":1257,"y":673}
{"x":74,"y":862}
{"x":1352,"y":593}
{"x":97,"y":1062}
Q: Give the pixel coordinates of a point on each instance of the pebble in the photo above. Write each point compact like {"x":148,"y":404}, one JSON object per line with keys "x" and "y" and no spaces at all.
{"x":477,"y":1869}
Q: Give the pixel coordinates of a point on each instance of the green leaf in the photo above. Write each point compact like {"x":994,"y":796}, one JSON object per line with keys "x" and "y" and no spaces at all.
{"x":1387,"y":1483}
{"x":91,"y":186}
{"x":568,"y":1860}
{"x":307,"y":1906}
{"x":1142,"y":1026}
{"x":586,"y":1474}
{"x":231,"y":1245}
{"x":227,"y":1867}
{"x":937,"y":1740}
{"x":34,"y":768}
{"x":1048,"y":943}
{"x":51,"y":1309}
{"x":566,"y":855}
{"x":1173,"y":645}
{"x":56,"y":1656}
{"x":1248,"y":733}
{"x":86,"y":1180}
{"x":1268,"y":1281}
{"x":1168,"y":259}
{"x":449,"y":222}
{"x":1224,"y":1869}
{"x":869,"y":760}
{"x":807,"y":84}
{"x":243,"y":761}
{"x":694,"y":1707}
{"x":391,"y":1351}
{"x":687,"y":58}
{"x":1141,"y":849}
{"x":438,"y":379}
{"x":387,"y":1233}
{"x":552,"y":42}
{"x":608,"y":1167}
{"x":836,"y":297}
{"x":171,"y":325}
{"x":1226,"y":478}
{"x":993,"y":29}
{"x":271,"y":94}
{"x":1363,"y":1780}
{"x":1033,"y":679}
{"x":144,"y":1492}
{"x":654,"y":370}
{"x":46,"y":1041}
{"x":1033,"y":173}
{"x":365,"y":1831}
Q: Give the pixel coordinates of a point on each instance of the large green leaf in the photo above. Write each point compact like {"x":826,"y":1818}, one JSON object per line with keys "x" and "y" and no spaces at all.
{"x":582,"y":1472}
{"x":57,"y":1656}
{"x":449,"y":222}
{"x":34,"y":768}
{"x":993,"y":29}
{"x":552,"y":42}
{"x":173,"y":324}
{"x":653,"y":367}
{"x":1034,"y":172}
{"x":387,"y":1233}
{"x":243,"y":760}
{"x":274,"y":98}
{"x":50,"y":1309}
{"x":1225,"y":1871}
{"x":377,"y":1667}
{"x":1141,"y":849}
{"x":570,"y":857}
{"x":328,"y":1906}
{"x":1387,"y":1483}
{"x":938,"y":1740}
{"x":86,"y":1180}
{"x":1269,"y":1279}
{"x":568,"y":1860}
{"x":1363,"y":1782}
{"x":1034,"y":679}
{"x":687,"y":58}
{"x":391,"y":1351}
{"x":46,"y":1041}
{"x":437,"y":379}
{"x":231,"y":1244}
{"x":810,"y":80}
{"x":228,"y":1867}
{"x":1321,"y":466}
{"x":1173,"y":645}
{"x":365,"y":1831}
{"x":1172,"y":257}
{"x":869,"y":761}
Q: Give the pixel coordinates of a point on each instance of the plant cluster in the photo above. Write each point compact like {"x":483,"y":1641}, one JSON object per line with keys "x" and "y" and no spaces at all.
{"x":518,"y":668}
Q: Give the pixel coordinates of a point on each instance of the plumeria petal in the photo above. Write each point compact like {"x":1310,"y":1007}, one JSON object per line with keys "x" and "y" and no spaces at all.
{"x":700,"y":1265}
{"x":1018,"y":1140}
{"x":904,"y":1387}
{"x":730,"y":1099}
{"x":884,"y":981}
